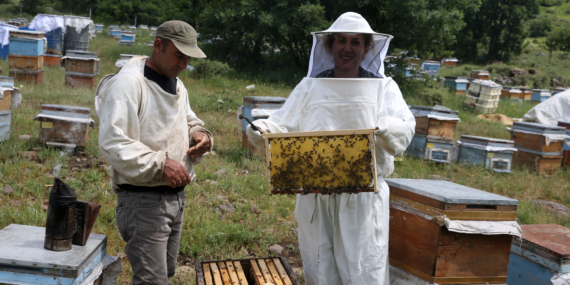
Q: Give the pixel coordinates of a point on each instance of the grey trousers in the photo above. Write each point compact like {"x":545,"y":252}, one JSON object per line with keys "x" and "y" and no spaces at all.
{"x":151,"y":224}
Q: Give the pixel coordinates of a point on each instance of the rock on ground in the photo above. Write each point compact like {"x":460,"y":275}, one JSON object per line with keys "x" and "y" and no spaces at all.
{"x":221,"y":172}
{"x":30,"y":155}
{"x":25,"y":137}
{"x":7,"y":189}
{"x":517,"y":71}
{"x":557,"y":209}
{"x":255,"y":209}
{"x":276,"y":249}
{"x":227,"y":208}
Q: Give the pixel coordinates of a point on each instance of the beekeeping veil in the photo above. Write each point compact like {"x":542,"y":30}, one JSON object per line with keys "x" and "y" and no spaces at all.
{"x":349,"y":23}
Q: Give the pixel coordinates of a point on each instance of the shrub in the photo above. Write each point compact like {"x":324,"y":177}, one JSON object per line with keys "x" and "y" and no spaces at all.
{"x":540,"y":28}
{"x":206,"y":68}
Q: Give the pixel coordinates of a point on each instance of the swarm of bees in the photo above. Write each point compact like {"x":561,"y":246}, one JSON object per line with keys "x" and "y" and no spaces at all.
{"x":321,"y":164}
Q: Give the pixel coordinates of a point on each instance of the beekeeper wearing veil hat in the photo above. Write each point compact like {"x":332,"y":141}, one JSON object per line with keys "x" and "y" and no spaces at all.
{"x":343,"y":238}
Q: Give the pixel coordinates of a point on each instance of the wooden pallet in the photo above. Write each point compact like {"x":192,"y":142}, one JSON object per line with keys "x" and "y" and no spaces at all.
{"x":253,"y":271}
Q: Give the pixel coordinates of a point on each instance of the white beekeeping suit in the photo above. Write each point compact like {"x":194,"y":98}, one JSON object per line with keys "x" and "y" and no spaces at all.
{"x":343,"y":238}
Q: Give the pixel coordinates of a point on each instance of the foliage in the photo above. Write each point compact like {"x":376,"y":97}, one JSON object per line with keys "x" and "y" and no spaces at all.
{"x":559,"y":39}
{"x":421,"y":27}
{"x":33,"y":6}
{"x":205,"y":68}
{"x":540,"y":27}
{"x":495,"y":31}
{"x":549,"y":3}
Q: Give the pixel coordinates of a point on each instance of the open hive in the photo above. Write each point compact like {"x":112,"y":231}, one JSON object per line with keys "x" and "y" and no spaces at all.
{"x":323,"y":162}
{"x":254,"y":271}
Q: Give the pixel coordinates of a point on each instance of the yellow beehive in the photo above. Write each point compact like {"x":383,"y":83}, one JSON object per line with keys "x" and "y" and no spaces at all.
{"x":321,"y":162}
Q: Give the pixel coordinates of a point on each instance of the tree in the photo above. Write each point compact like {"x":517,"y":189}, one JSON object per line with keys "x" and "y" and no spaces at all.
{"x":495,"y":31}
{"x":559,"y":39}
{"x":540,"y":28}
{"x":33,"y":6}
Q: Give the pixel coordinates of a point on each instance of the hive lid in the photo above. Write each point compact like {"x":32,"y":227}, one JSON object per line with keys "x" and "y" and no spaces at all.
{"x":23,"y":246}
{"x":450,"y":193}
{"x":66,"y":111}
{"x":485,"y":140}
{"x":538,"y":128}
{"x":554,"y":238}
{"x":433,"y":111}
{"x":264,"y":99}
{"x":81,"y":53}
{"x":564,"y":124}
{"x":6,"y":79}
{"x":4,"y":113}
{"x":26,"y":34}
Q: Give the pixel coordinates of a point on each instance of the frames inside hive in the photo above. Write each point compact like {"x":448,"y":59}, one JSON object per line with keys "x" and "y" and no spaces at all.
{"x":340,"y":163}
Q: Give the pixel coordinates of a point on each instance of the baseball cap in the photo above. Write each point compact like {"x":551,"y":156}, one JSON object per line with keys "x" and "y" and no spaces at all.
{"x":183,"y":36}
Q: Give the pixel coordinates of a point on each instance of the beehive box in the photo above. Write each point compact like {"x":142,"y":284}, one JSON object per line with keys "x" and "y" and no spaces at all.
{"x":251,"y":271}
{"x":527,"y":93}
{"x":323,"y":162}
{"x":435,"y":122}
{"x":495,"y":154}
{"x":449,"y":62}
{"x":23,"y":259}
{"x":420,"y":246}
{"x":431,"y":68}
{"x":512,"y":93}
{"x":531,"y":137}
{"x":79,"y":81}
{"x":543,"y":252}
{"x":64,"y":126}
{"x":5,"y":99}
{"x":479,"y":74}
{"x":558,"y":90}
{"x":5,"y":122}
{"x":540,"y":95}
{"x":257,"y":108}
{"x":431,"y":148}
{"x":459,"y":84}
{"x":52,"y":60}
{"x":81,"y":66}
{"x":28,"y":43}
{"x":6,"y":81}
{"x":36,"y":77}
{"x":566,"y":148}
{"x":20,"y":63}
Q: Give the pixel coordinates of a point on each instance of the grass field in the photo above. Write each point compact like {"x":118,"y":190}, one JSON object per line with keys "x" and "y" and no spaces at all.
{"x":209,"y":233}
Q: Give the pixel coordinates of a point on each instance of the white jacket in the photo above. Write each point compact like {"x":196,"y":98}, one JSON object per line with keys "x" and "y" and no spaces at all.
{"x":141,"y":125}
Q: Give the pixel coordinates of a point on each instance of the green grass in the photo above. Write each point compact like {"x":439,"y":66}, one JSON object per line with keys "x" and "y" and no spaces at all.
{"x":208,"y":235}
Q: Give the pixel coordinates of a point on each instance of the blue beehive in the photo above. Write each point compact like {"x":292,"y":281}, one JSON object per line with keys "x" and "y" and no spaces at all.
{"x":495,"y":154}
{"x":457,"y":83}
{"x":431,"y":68}
{"x":4,"y":51}
{"x":27,"y":43}
{"x":99,"y":28}
{"x":54,"y":41}
{"x":5,"y":119}
{"x":558,"y":90}
{"x":543,"y":252}
{"x":130,"y":37}
{"x":256,"y":108}
{"x":436,"y":149}
{"x":540,"y":95}
{"x":6,"y":81}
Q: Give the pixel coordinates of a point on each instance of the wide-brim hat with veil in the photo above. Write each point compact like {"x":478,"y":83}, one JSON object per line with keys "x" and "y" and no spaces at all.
{"x":349,"y":23}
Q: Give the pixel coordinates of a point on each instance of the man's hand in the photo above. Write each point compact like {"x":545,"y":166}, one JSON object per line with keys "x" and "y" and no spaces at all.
{"x":202,"y":145}
{"x":175,"y":174}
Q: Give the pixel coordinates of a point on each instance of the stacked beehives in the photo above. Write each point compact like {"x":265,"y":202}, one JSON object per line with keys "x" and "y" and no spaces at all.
{"x":445,"y":233}
{"x":540,"y":95}
{"x":127,"y":38}
{"x":457,"y":83}
{"x":483,"y":96}
{"x":566,"y":148}
{"x":435,"y":130}
{"x":540,"y":147}
{"x":512,"y":93}
{"x":81,"y":68}
{"x":27,"y":56}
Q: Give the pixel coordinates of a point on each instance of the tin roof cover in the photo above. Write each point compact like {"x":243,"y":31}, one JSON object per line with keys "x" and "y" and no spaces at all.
{"x":432,"y":110}
{"x":24,"y":246}
{"x":538,"y":128}
{"x":555,"y":238}
{"x":484,"y":140}
{"x":265,"y":99}
{"x":450,"y":193}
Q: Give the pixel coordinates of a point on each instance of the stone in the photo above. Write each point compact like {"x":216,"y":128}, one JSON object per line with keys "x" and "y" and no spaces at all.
{"x":184,"y":270}
{"x":208,"y":181}
{"x":44,"y":207}
{"x":121,"y":255}
{"x":294,"y":232}
{"x":222,"y":197}
{"x":557,"y":209}
{"x":298,"y":271}
{"x":255,"y":209}
{"x":36,"y":148}
{"x":276,"y":249}
{"x":243,"y":172}
{"x":7,"y":189}
{"x":25,"y":137}
{"x":16,"y":203}
{"x":534,"y":72}
{"x":78,"y":159}
{"x":30,"y":155}
{"x":221,"y":172}
{"x":517,"y":71}
{"x":227,"y":208}
{"x":437,"y":177}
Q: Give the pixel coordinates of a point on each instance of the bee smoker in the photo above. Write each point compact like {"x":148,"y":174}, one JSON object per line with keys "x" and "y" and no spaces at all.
{"x":61,"y":217}
{"x":69,"y":221}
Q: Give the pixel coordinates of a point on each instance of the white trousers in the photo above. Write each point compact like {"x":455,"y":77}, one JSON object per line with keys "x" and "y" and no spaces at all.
{"x":343,"y":238}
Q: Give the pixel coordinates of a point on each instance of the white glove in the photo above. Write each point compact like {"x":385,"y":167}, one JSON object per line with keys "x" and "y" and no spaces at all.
{"x":393,"y":134}
{"x":255,"y":137}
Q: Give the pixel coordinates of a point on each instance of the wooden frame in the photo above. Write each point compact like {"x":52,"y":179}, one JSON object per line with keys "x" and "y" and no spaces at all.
{"x":249,"y":271}
{"x":332,"y":134}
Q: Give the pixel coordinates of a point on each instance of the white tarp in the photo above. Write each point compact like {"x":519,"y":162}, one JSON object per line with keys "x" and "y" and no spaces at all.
{"x":560,"y":279}
{"x":5,"y":33}
{"x":549,"y":112}
{"x":484,"y":227}
{"x":16,"y":95}
{"x":46,"y":23}
{"x":79,"y":23}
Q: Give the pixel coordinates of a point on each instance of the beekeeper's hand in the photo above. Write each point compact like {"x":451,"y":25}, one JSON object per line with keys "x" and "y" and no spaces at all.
{"x":175,"y":174}
{"x":202,"y":145}
{"x":255,"y":136}
{"x":393,"y":134}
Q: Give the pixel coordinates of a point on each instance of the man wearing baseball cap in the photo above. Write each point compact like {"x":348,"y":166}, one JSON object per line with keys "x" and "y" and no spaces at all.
{"x":152,"y":139}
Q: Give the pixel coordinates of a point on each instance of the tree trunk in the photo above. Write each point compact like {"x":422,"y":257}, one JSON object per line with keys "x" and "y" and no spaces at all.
{"x":550,"y":60}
